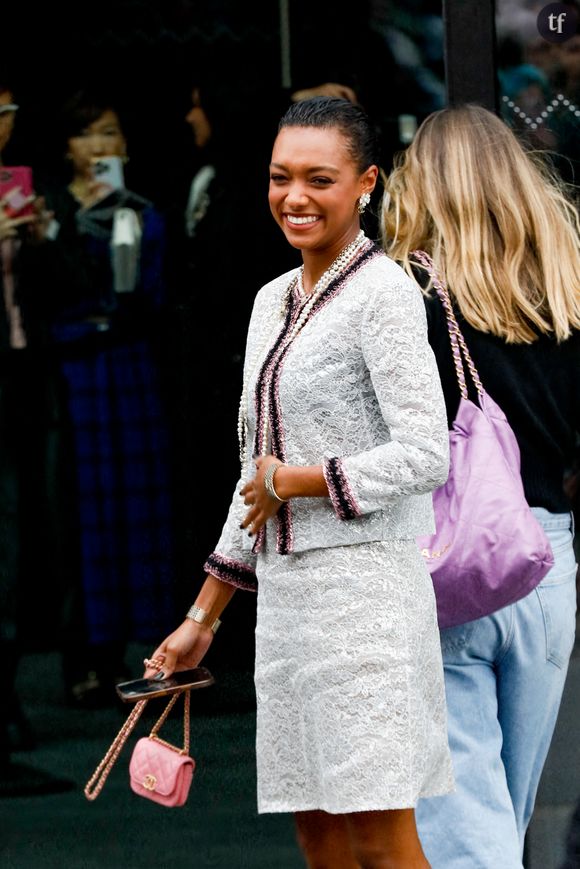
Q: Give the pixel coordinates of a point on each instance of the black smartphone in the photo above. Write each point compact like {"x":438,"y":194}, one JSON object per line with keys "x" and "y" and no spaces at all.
{"x":144,"y":689}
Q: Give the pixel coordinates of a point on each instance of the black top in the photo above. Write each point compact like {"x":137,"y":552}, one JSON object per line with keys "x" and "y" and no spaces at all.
{"x":538,"y":388}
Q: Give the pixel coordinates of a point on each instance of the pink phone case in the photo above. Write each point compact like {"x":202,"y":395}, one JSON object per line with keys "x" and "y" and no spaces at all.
{"x":15,"y":187}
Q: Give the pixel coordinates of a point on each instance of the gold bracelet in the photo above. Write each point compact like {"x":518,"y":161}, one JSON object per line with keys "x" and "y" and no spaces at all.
{"x":199,"y":615}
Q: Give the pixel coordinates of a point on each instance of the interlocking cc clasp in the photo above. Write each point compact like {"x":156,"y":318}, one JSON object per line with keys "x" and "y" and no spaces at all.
{"x":149,"y":782}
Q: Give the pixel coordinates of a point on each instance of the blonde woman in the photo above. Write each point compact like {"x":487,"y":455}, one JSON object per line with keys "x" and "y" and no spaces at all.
{"x":505,"y":238}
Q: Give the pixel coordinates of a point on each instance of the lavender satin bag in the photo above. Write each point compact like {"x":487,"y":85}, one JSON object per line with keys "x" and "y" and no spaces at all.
{"x":488,"y":550}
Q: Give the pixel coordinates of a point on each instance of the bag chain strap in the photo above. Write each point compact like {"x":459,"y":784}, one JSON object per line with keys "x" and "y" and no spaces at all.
{"x":458,"y":345}
{"x":96,"y":782}
{"x":186,"y":719}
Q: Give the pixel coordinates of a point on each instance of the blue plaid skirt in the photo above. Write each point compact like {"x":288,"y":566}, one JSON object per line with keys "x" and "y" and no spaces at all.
{"x":124,"y":490}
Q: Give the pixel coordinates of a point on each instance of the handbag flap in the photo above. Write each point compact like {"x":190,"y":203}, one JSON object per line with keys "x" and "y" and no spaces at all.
{"x":156,"y":767}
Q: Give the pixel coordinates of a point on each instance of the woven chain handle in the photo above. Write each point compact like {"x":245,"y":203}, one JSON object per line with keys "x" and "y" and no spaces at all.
{"x":186,"y":721}
{"x":458,"y":345}
{"x":96,"y":782}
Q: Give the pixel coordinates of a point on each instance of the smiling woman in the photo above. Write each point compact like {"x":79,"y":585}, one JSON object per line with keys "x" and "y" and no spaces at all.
{"x":343,"y":414}
{"x":311,"y":199}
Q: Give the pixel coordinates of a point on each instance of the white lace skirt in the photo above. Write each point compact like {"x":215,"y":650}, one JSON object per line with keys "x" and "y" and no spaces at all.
{"x":349,"y":681}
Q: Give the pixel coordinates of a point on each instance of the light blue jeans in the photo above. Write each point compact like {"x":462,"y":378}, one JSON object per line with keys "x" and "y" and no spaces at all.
{"x":504,"y":678}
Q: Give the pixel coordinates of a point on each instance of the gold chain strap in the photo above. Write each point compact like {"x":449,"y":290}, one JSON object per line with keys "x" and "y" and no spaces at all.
{"x":458,"y":346}
{"x":186,"y":721}
{"x":96,"y":782}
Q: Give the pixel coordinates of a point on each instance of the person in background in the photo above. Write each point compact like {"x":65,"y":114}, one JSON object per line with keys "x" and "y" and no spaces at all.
{"x":539,"y":82}
{"x":379,"y":42}
{"x":528,"y":88}
{"x":566,"y":81}
{"x":504,"y":237}
{"x":106,"y":334}
{"x":342,"y":439}
{"x":38,"y":565}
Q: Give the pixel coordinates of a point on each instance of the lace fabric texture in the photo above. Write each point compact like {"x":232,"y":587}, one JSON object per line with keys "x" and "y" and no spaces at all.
{"x":359,"y":384}
{"x":349,"y":680}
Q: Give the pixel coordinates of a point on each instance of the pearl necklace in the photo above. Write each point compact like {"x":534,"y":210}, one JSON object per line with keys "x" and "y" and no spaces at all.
{"x":341,"y":262}
{"x":331,"y":273}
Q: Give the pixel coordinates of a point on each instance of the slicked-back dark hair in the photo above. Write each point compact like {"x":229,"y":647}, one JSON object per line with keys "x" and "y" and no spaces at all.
{"x":333,"y":112}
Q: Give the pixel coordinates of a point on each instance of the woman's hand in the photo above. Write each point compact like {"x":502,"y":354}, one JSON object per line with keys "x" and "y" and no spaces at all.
{"x":39,"y":226}
{"x":9,"y":225}
{"x":182,"y":650}
{"x":38,"y":223}
{"x":262,"y":506}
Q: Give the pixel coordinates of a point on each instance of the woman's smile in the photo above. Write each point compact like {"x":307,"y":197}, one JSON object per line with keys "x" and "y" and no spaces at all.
{"x":304,"y":220}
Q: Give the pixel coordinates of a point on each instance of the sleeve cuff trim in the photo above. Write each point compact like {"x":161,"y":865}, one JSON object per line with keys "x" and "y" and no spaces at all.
{"x":231,"y":571}
{"x":343,"y":501}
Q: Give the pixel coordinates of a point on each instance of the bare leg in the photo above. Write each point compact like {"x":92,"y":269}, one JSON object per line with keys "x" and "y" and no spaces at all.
{"x":324,"y":840}
{"x":386,"y":840}
{"x":360,"y":840}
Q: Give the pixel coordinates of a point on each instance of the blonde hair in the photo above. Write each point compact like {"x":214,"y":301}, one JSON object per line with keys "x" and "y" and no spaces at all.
{"x":497,"y":224}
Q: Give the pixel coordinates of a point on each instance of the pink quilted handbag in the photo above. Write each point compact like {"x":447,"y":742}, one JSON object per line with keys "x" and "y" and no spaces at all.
{"x":158,"y":770}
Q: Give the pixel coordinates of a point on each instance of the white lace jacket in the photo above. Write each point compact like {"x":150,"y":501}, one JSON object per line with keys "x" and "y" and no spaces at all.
{"x":358,"y":392}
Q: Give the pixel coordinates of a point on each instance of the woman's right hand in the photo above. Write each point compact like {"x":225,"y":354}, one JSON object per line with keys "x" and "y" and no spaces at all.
{"x":182,"y":650}
{"x":9,"y":225}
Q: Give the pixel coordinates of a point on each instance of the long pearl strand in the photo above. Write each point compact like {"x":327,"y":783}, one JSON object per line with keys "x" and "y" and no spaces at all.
{"x":332,"y":272}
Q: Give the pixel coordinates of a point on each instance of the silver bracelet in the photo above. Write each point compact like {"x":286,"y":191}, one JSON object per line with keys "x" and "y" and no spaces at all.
{"x":199,"y":615}
{"x":269,"y":482}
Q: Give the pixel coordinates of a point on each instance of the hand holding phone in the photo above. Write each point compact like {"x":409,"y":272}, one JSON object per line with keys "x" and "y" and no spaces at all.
{"x":183,"y":649}
{"x":17,"y":191}
{"x":144,"y":689}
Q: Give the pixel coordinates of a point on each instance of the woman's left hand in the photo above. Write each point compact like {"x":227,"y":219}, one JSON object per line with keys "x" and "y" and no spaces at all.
{"x":39,"y":227}
{"x":262,"y":506}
